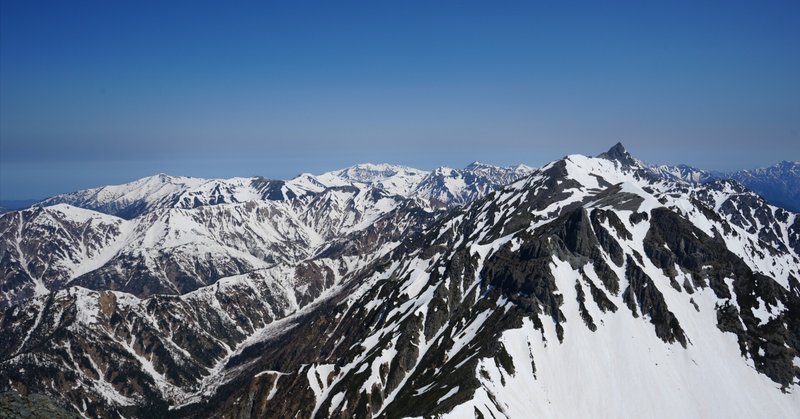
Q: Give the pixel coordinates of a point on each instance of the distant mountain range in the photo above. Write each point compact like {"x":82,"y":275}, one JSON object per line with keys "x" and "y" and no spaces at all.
{"x":592,"y":286}
{"x":442,"y":187}
{"x":778,"y":184}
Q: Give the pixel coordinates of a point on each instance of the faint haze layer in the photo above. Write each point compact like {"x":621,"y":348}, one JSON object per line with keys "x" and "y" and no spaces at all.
{"x":96,"y":92}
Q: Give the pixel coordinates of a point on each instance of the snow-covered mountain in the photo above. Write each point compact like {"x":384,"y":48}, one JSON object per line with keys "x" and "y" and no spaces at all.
{"x":130,"y":199}
{"x":162,"y":191}
{"x":779,"y":184}
{"x":591,"y":286}
{"x":684,"y":173}
{"x":184,"y":233}
{"x":44,"y":248}
{"x":176,"y":250}
{"x":442,"y":188}
{"x":394,"y":179}
{"x":445,"y":187}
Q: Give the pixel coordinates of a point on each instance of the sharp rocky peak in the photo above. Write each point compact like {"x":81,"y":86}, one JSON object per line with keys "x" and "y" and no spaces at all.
{"x":620,"y":154}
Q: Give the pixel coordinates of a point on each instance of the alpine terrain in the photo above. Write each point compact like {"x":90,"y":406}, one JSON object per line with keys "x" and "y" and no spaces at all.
{"x":779,"y":184}
{"x":592,"y":286}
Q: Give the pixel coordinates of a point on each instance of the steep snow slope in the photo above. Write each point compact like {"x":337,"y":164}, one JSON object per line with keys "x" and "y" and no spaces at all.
{"x":580,"y":254}
{"x":46,"y":248}
{"x":167,"y":251}
{"x":130,"y":199}
{"x":176,"y":250}
{"x":187,"y":232}
{"x":152,"y":193}
{"x":591,"y":278}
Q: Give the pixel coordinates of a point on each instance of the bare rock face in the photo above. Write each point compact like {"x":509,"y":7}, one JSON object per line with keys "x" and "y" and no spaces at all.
{"x":620,"y":154}
{"x":348,"y":300}
{"x":15,"y":405}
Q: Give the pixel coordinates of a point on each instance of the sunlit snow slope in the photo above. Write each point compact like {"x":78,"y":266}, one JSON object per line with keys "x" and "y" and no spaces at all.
{"x":589,"y":287}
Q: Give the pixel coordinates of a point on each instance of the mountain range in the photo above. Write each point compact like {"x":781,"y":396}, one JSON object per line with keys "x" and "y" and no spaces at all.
{"x":778,"y":184}
{"x":589,"y":286}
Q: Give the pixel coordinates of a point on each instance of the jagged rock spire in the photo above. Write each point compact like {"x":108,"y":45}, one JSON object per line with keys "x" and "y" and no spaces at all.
{"x":620,"y":154}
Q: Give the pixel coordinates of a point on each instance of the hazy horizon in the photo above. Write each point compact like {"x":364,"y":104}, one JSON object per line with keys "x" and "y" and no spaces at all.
{"x":194,"y":169}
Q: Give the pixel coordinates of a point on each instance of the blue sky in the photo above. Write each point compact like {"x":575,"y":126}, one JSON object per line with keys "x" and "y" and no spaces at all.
{"x":103,"y":92}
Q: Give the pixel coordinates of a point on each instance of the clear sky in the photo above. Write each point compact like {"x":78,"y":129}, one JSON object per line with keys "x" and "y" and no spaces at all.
{"x":99,"y":92}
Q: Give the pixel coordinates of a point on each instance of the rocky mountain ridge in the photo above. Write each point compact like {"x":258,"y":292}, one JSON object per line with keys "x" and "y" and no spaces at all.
{"x":585,"y":274}
{"x":441,"y":188}
{"x":779,"y":184}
